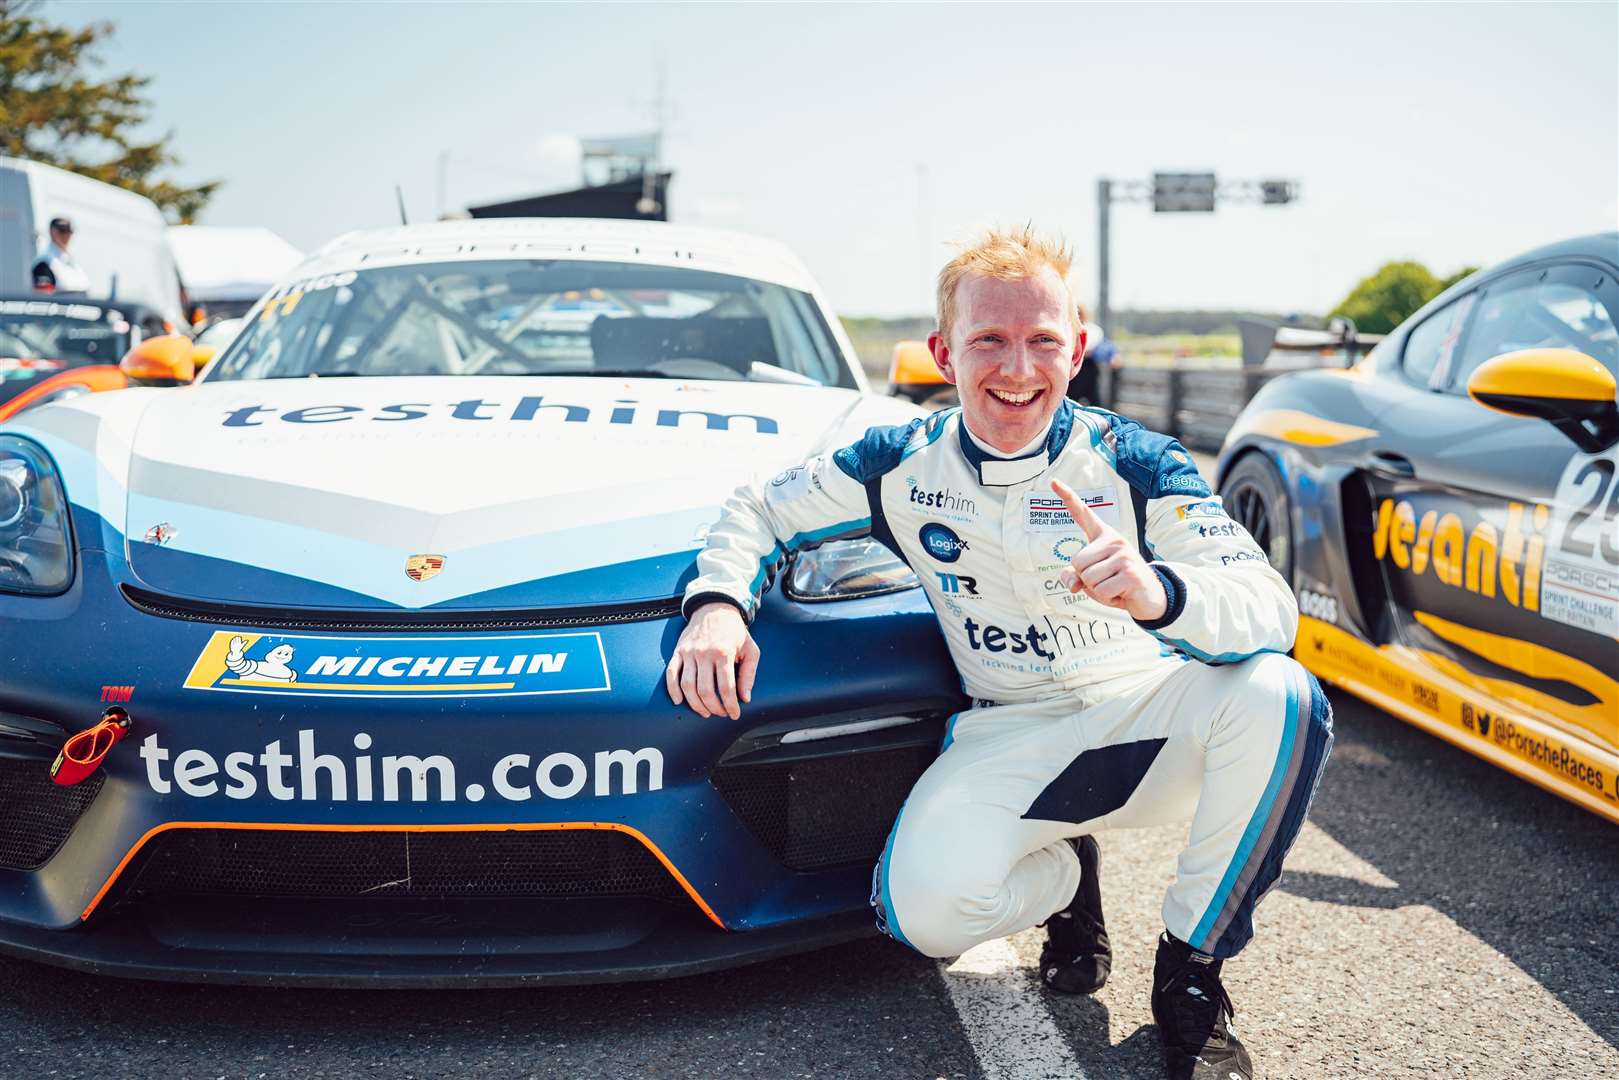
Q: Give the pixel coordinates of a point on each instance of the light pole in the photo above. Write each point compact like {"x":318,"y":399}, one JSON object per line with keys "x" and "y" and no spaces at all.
{"x":1104,"y":201}
{"x":923,"y":254}
{"x":443,"y":185}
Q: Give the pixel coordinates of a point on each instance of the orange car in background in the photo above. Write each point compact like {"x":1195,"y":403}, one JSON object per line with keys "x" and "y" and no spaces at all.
{"x":57,"y":347}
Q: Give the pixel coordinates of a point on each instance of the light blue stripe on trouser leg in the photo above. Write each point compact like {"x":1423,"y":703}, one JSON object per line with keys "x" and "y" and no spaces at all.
{"x":1256,"y":825}
{"x":882,"y":901}
{"x":1312,"y":746}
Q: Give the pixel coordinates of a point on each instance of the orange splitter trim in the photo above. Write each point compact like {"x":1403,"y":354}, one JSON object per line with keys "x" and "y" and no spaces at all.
{"x":545,"y":826}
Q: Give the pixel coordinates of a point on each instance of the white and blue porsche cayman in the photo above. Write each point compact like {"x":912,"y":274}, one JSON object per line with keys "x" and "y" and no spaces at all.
{"x":386,"y":598}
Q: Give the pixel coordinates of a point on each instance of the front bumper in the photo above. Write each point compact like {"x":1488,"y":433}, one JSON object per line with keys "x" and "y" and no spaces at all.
{"x":422,"y":947}
{"x":746,"y":885}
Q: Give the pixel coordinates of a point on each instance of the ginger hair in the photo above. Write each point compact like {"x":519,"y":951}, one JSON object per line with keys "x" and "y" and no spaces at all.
{"x":1007,"y":254}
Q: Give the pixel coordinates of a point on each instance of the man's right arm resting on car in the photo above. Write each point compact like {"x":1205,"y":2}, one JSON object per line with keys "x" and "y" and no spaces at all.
{"x":822,"y":500}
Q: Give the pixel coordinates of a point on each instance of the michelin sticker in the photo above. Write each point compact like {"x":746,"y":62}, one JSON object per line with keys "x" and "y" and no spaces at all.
{"x":401,"y":667}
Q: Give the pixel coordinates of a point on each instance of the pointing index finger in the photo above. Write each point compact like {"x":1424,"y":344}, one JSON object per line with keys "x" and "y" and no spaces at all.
{"x":1083,"y":515}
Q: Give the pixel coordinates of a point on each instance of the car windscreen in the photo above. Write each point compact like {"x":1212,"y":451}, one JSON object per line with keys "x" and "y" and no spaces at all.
{"x":34,"y":332}
{"x":536,"y":317}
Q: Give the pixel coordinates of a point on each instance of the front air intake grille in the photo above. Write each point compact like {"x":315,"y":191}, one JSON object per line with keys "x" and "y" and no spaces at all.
{"x":269,"y":618}
{"x":569,"y":864}
{"x":36,"y":814}
{"x":828,"y":811}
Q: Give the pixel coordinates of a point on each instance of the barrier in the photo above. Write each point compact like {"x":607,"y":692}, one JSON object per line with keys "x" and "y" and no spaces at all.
{"x":1195,"y":401}
{"x":1198,"y":401}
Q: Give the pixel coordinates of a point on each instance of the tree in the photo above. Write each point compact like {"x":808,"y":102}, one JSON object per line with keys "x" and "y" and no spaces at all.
{"x":54,"y":111}
{"x":1381,"y":302}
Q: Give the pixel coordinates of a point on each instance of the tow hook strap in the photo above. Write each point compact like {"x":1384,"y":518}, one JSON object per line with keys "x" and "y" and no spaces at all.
{"x":82,"y":754}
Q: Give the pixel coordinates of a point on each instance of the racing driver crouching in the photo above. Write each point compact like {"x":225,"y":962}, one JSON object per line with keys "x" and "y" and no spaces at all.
{"x":1123,"y":640}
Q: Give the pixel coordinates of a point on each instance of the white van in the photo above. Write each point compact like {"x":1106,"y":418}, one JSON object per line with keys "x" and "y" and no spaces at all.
{"x":119,"y":237}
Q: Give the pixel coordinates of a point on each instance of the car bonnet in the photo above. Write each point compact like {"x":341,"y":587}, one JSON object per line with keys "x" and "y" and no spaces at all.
{"x":456,"y":493}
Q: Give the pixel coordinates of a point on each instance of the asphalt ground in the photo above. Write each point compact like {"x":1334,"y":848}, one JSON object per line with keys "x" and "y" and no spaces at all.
{"x":1437,"y":919}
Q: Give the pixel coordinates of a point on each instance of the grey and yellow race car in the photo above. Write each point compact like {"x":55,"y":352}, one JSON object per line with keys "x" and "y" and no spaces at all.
{"x":1448,"y":512}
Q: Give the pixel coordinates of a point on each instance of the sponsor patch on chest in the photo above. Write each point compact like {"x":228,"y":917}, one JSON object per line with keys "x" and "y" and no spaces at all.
{"x":1044,"y":512}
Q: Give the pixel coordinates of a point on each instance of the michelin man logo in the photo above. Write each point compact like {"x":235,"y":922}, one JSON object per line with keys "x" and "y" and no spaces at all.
{"x":273,"y":668}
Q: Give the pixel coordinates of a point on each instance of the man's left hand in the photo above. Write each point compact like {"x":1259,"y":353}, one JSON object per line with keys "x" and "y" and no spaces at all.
{"x":1108,"y":567}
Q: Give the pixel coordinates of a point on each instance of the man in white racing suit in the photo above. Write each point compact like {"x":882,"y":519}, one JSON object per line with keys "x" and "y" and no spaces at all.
{"x":1124,"y":642}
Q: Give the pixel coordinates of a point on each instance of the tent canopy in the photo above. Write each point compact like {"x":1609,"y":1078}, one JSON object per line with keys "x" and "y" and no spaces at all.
{"x":230,"y":263}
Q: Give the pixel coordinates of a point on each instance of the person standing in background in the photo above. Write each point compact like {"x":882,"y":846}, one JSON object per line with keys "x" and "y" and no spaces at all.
{"x":54,"y":269}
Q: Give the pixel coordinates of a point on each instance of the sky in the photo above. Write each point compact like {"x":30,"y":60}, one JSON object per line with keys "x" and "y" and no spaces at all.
{"x":870,"y":139}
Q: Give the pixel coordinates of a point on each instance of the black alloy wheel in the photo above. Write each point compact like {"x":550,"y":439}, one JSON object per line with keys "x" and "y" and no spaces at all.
{"x":1256,"y":499}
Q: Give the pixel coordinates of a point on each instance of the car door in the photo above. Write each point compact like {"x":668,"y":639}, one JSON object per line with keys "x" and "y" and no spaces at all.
{"x":1497,"y":537}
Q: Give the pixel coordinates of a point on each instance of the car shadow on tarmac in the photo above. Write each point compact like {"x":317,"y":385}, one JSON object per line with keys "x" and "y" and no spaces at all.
{"x":1532,"y":876}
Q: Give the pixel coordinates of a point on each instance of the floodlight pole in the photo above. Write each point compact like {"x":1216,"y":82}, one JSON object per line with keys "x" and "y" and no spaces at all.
{"x":1264,"y":192}
{"x":443,"y":184}
{"x":1104,"y":203}
{"x":1106,"y":196}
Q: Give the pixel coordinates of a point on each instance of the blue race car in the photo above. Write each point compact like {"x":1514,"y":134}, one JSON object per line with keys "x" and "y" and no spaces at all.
{"x":344,"y":664}
{"x":1448,"y":512}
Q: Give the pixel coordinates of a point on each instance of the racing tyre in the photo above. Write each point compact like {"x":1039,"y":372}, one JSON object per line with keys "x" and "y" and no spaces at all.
{"x":1256,"y":499}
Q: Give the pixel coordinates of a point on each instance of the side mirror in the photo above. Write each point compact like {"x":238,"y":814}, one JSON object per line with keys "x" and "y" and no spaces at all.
{"x":201,"y":354}
{"x":1571,"y":390}
{"x":912,"y":373}
{"x":164,"y":361}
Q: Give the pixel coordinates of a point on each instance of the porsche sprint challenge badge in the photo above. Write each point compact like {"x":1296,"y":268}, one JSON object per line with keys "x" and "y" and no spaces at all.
{"x":245,"y":662}
{"x":422,"y":567}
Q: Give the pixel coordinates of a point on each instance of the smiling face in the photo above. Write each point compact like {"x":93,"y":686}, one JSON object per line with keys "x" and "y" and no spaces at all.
{"x":279,"y":655}
{"x":1012,"y":350}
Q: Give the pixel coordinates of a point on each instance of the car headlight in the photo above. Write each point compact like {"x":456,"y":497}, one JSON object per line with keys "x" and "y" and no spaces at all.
{"x":36,"y":543}
{"x":846,"y":569}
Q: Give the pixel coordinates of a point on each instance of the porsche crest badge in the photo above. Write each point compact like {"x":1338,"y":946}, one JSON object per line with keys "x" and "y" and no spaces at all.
{"x":422,"y":567}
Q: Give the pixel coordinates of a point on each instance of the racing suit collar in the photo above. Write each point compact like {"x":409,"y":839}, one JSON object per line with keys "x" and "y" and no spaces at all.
{"x":996,"y":471}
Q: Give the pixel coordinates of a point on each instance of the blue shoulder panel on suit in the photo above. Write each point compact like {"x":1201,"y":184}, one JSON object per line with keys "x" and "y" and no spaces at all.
{"x":1155,"y":465}
{"x":881,"y":449}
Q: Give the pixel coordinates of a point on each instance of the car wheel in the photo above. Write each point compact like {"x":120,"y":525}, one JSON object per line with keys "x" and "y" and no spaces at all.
{"x":1256,"y":499}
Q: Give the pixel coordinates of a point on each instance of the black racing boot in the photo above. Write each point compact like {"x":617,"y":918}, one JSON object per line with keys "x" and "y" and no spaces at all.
{"x":1193,"y":1013}
{"x":1077,"y":957}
